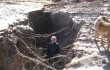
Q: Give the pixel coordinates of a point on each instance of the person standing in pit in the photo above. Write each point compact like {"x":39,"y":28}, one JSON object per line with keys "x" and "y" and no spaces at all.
{"x":53,"y":48}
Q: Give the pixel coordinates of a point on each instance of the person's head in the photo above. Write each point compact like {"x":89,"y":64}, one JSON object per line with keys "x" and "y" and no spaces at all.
{"x":53,"y":39}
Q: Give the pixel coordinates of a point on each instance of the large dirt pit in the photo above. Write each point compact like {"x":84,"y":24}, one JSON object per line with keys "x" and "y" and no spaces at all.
{"x":59,"y":24}
{"x":26,"y":45}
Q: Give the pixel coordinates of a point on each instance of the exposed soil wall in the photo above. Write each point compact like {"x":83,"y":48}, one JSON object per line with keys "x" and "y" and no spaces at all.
{"x":59,"y":24}
{"x":44,"y":24}
{"x":49,"y":23}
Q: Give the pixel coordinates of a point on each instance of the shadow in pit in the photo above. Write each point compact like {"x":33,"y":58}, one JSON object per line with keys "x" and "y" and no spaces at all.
{"x":104,"y":53}
{"x":97,"y":45}
{"x":47,"y":23}
{"x":107,"y":65}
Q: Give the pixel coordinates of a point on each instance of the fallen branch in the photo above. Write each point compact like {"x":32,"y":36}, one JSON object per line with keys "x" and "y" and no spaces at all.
{"x":48,"y":35}
{"x":68,"y":46}
{"x":77,"y":61}
{"x":31,"y":50}
{"x":56,"y":57}
{"x":33,"y":59}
